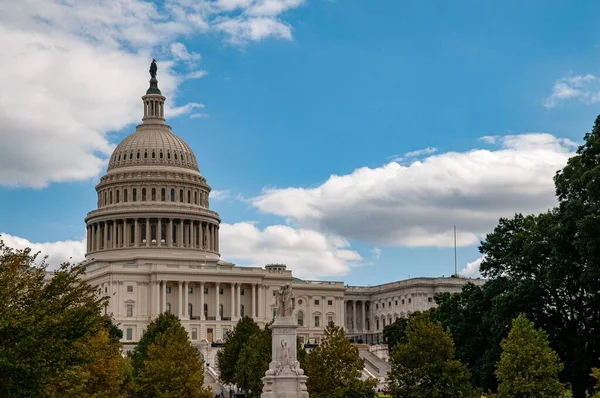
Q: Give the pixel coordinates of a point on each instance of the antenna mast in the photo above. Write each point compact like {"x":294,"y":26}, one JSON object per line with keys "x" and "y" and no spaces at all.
{"x":455,"y":263}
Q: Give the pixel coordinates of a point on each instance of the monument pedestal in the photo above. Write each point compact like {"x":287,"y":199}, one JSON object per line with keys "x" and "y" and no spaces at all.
{"x":285,"y":378}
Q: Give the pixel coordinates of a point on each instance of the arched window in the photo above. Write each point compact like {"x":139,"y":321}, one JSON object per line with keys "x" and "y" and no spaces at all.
{"x":105,"y":201}
{"x":190,"y":313}
{"x":195,"y":197}
{"x":168,"y":155}
{"x":163,"y":194}
{"x":131,"y":156}
{"x":221,"y":310}
{"x":143,"y":194}
{"x":153,"y":194}
{"x":161,"y":154}
{"x":205,"y":310}
{"x":118,"y":195}
{"x":242,"y":311}
{"x":145,"y":154}
{"x":110,"y":196}
{"x":153,"y":155}
{"x":135,"y":194}
{"x":300,"y":318}
{"x":181,"y":195}
{"x":175,"y":153}
{"x":138,"y":154}
{"x":168,"y":308}
{"x":172,"y":195}
{"x":125,"y":199}
{"x":189,"y":197}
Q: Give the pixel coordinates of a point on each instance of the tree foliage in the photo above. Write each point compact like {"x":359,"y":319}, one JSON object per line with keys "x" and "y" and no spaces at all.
{"x":478,"y":318}
{"x":528,"y":367}
{"x":423,"y":364}
{"x":172,"y":368}
{"x":253,"y":362}
{"x":395,"y":332}
{"x":159,"y":326}
{"x":104,"y":374}
{"x":334,"y":368}
{"x":43,"y":323}
{"x":228,"y":357}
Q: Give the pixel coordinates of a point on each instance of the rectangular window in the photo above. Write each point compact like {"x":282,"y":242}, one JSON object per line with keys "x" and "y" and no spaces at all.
{"x":241,"y":292}
{"x":429,"y":299}
{"x":129,"y":310}
{"x":225,"y":333}
{"x":317,"y":321}
{"x":329,"y":302}
{"x":168,"y":289}
{"x":377,"y":321}
{"x":329,"y":319}
{"x":190,"y":290}
{"x":205,"y":290}
{"x":316,"y":302}
{"x":129,"y":334}
{"x":105,"y":290}
{"x":209,"y":335}
{"x":194,"y":334}
{"x":402,"y":301}
{"x":129,"y":288}
{"x":409,"y":301}
{"x":396,"y":304}
{"x":301,"y":339}
{"x":220,"y":290}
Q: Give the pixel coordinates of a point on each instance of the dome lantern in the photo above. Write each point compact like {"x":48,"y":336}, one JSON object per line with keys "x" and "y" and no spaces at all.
{"x":154,"y":101}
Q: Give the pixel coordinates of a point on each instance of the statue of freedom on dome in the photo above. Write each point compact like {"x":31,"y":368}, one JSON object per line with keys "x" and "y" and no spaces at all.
{"x":153,"y":68}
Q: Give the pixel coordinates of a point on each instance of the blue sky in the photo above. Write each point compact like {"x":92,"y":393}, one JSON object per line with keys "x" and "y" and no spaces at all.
{"x":276,"y":96}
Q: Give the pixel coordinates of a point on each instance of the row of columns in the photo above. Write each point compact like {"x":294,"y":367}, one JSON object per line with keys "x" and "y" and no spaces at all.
{"x":353,"y":325}
{"x":161,"y":232}
{"x":109,"y":196}
{"x":160,"y":299}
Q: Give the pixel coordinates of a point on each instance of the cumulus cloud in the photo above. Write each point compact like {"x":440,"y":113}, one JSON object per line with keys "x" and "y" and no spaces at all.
{"x":73,"y":71}
{"x":472,"y":268}
{"x":376,"y":252}
{"x":418,"y":204}
{"x":307,"y":253}
{"x":58,"y":252}
{"x":216,"y":194}
{"x":584,"y":88}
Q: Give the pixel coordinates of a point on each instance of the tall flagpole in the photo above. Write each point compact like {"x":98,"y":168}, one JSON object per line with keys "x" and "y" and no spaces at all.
{"x":455,"y":264}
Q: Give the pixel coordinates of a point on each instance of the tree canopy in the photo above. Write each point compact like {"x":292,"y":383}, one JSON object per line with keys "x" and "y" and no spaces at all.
{"x":334,"y":368}
{"x":43,"y":323}
{"x":423,"y":364}
{"x":528,"y":367}
{"x":253,"y":362}
{"x":172,"y":368}
{"x":394,"y":332}
{"x":228,"y":357}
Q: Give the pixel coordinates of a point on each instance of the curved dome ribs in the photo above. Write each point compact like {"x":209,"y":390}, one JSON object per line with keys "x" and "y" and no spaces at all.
{"x":153,"y":194}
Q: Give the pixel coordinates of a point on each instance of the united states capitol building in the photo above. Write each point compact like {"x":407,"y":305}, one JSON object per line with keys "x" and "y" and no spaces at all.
{"x":153,"y":246}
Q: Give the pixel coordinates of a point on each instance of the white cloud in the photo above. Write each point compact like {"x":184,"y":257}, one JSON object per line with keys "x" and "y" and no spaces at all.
{"x":73,"y":72}
{"x":199,"y":115}
{"x":215,"y":194}
{"x":418,"y":204}
{"x":585,"y":88}
{"x":472,"y":269}
{"x":180,"y":52}
{"x":376,"y":252}
{"x":58,"y":252}
{"x":307,"y":253}
{"x":420,"y":152}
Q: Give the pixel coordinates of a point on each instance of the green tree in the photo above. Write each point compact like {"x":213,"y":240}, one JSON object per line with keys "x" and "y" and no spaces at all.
{"x":478,"y":318}
{"x":596,"y":376}
{"x":253,"y":362}
{"x":334,"y":368}
{"x":528,"y":367}
{"x":228,"y":356}
{"x":394,"y":332}
{"x":159,"y":326}
{"x":42,"y":322}
{"x":105,"y":374}
{"x":173,"y":368}
{"x":423,"y":365}
{"x":301,"y":354}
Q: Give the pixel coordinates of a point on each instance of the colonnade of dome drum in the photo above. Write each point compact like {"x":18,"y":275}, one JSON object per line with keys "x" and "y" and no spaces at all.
{"x":168,"y":232}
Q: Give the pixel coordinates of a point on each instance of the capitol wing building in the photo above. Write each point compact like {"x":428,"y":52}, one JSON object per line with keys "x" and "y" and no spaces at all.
{"x":153,"y":246}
